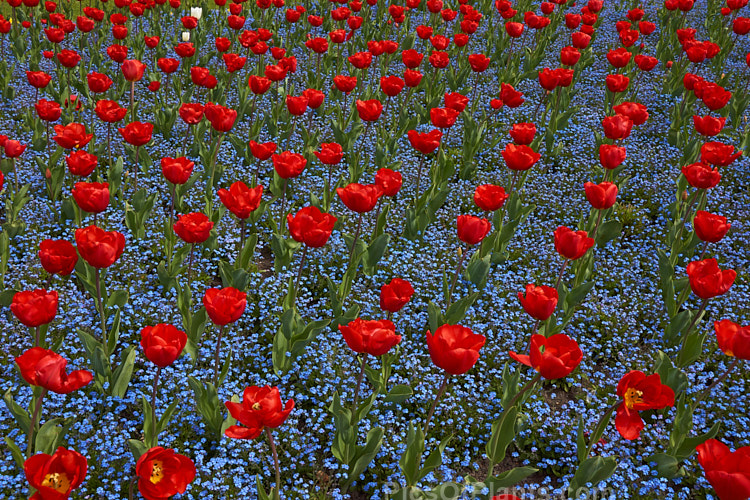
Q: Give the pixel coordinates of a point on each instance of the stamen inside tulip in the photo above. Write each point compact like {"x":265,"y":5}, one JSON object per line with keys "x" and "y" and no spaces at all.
{"x":157,"y":472}
{"x":256,"y":406}
{"x":632,"y":397}
{"x":58,"y":481}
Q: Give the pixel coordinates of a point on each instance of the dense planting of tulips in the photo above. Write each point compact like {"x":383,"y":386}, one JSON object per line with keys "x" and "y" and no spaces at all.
{"x":419,"y":249}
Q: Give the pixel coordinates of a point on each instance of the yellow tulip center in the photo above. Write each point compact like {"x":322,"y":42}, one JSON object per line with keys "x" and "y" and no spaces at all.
{"x":157,"y":472}
{"x":256,"y":406}
{"x":633,"y":397}
{"x":58,"y":481}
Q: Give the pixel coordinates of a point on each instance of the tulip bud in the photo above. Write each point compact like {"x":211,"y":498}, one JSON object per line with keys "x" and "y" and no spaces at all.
{"x":684,"y":196}
{"x":196,"y":12}
{"x":185,"y":36}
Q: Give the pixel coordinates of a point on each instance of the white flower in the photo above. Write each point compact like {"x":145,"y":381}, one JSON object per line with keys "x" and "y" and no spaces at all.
{"x":196,"y":12}
{"x":185,"y":36}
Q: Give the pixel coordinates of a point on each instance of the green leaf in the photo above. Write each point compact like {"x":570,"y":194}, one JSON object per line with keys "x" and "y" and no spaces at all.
{"x":365,"y":454}
{"x":121,"y":376}
{"x":412,"y":457}
{"x":593,"y":470}
{"x":48,"y":436}
{"x":666,"y":465}
{"x":503,"y":433}
{"x":137,"y":448}
{"x":398,"y":394}
{"x":608,"y":231}
{"x":15,"y":451}
{"x":670,"y":374}
{"x":457,"y":311}
{"x":22,"y":417}
{"x":375,"y":252}
{"x":478,"y":269}
{"x":509,"y":478}
{"x":692,"y":348}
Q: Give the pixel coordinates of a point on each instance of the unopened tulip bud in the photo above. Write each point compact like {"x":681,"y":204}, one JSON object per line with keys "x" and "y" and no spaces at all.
{"x":196,"y":12}
{"x":684,"y":196}
{"x":185,"y":36}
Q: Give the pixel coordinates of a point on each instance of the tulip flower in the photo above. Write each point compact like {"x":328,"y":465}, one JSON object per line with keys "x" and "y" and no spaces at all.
{"x":552,"y":357}
{"x":223,"y":306}
{"x":727,"y":471}
{"x":490,"y":197}
{"x":710,"y":228}
{"x":395,"y":295}
{"x":261,"y":409}
{"x":639,"y":392}
{"x":55,"y":476}
{"x":539,"y":302}
{"x":707,"y":280}
{"x":162,"y":473}
{"x":58,"y":256}
{"x":46,"y":369}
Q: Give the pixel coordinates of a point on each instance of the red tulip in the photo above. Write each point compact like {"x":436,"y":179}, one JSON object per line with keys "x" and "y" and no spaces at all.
{"x":81,"y":163}
{"x":109,"y":111}
{"x":637,"y":112}
{"x":162,"y":344}
{"x":523,"y":133}
{"x":520,"y":157}
{"x":260,"y":407}
{"x":539,"y":302}
{"x":708,"y":125}
{"x":221,"y":118}
{"x":311,"y":226}
{"x":330,"y":153}
{"x":194,"y":227}
{"x":388,"y":181}
{"x":48,"y":111}
{"x":55,"y":476}
{"x":733,"y":339}
{"x":14,"y":149}
{"x":553,"y":357}
{"x":701,"y":176}
{"x":137,"y":133}
{"x":617,"y":127}
{"x":489,"y":197}
{"x":38,"y":79}
{"x":92,"y":197}
{"x":443,"y":117}
{"x":240,"y":199}
{"x":58,"y":256}
{"x":372,"y":337}
{"x":426,"y":143}
{"x":177,"y":170}
{"x":710,"y":227}
{"x":360,"y":197}
{"x":224,"y":305}
{"x":727,"y":471}
{"x":601,"y":196}
{"x":132,"y":70}
{"x":163,"y":473}
{"x":611,"y":156}
{"x":395,"y":295}
{"x":288,"y":164}
{"x":99,"y":248}
{"x":370,"y":110}
{"x":191,"y":113}
{"x":44,"y":368}
{"x":571,"y":244}
{"x":472,"y":229}
{"x":707,"y":280}
{"x":639,"y":392}
{"x":262,"y":151}
{"x":34,"y":308}
{"x":454,"y":348}
{"x":716,"y":153}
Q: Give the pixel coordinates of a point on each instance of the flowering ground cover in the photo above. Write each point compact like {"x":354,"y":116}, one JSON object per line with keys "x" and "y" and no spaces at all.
{"x":408,"y":250}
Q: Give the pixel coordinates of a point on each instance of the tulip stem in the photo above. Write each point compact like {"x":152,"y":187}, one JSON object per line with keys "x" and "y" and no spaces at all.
{"x":707,"y":392}
{"x":37,"y":334}
{"x":356,"y":236}
{"x":34,"y":421}
{"x":560,"y":276}
{"x":154,"y":395}
{"x":283,"y":206}
{"x":703,"y":250}
{"x":606,"y":416}
{"x":598,"y":222}
{"x":419,"y":176}
{"x":696,"y":317}
{"x":361,"y":375}
{"x":272,"y":444}
{"x":299,"y":271}
{"x":132,"y":101}
{"x":440,"y":393}
{"x":135,"y":172}
{"x":184,"y":141}
{"x":100,"y":304}
{"x":524,"y":390}
{"x":216,"y":355}
{"x":455,"y":276}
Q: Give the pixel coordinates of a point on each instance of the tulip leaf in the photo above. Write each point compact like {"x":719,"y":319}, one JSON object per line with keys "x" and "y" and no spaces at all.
{"x":503,"y":433}
{"x":457,"y":311}
{"x":593,"y":470}
{"x":692,"y":348}
{"x":445,"y":491}
{"x":6,"y":296}
{"x":667,"y":466}
{"x":410,"y":460}
{"x":670,"y":374}
{"x":114,"y":332}
{"x":364,"y":455}
{"x":166,"y":417}
{"x":509,"y":478}
{"x":49,"y":434}
{"x":478,"y":269}
{"x":398,"y":394}
{"x":118,"y":298}
{"x":121,"y":376}
{"x":435,"y":316}
{"x":137,"y":448}
{"x":375,"y":252}
{"x":22,"y":417}
{"x":608,"y":231}
{"x":15,"y":451}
